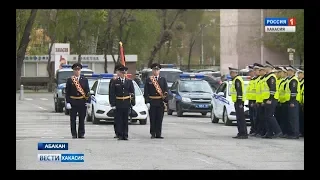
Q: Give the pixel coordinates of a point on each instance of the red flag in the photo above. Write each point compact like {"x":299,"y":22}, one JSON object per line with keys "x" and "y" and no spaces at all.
{"x":122,"y":57}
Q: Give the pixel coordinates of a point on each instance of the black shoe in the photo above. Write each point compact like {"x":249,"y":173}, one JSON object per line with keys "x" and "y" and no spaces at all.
{"x":278,"y":135}
{"x":152,"y":137}
{"x":266,"y":137}
{"x":74,"y":137}
{"x":81,"y":137}
{"x":159,"y":137}
{"x":126,"y":139}
{"x":116,"y":136}
{"x":243,"y":137}
{"x":292,"y":137}
{"x":259,"y":135}
{"x":120,"y":138}
{"x":284,"y":136}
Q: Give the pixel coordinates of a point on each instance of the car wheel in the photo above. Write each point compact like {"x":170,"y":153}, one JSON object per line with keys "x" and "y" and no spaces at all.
{"x":214,"y":119}
{"x":66,"y":111}
{"x":94,"y":119}
{"x":55,"y":107}
{"x":204,"y":114}
{"x":179,"y":110}
{"x":225,"y":119}
{"x":169,"y":111}
{"x":88,"y":118}
{"x":143,"y":121}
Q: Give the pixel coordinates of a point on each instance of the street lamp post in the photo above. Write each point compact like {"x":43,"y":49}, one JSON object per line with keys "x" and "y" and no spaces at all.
{"x":202,"y":26}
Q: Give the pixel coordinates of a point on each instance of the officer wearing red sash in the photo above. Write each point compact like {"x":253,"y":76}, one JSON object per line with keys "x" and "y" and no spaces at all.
{"x":77,"y":94}
{"x":116,"y":69}
{"x":155,"y":94}
{"x":121,"y":97}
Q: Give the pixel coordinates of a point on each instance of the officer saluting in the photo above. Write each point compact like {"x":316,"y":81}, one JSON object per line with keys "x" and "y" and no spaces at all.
{"x":155,"y":94}
{"x":237,"y":96}
{"x":77,"y":90}
{"x":116,"y":69}
{"x":121,"y":97}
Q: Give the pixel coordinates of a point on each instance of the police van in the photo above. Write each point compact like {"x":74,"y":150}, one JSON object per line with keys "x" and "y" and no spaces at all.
{"x":223,"y":107}
{"x":190,"y":93}
{"x":61,"y":78}
{"x":168,"y":71}
{"x":100,"y":108}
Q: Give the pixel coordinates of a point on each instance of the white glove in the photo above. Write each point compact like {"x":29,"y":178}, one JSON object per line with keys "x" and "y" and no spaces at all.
{"x":87,"y":104}
{"x":113,"y":107}
{"x":68,"y":106}
{"x":148,"y":106}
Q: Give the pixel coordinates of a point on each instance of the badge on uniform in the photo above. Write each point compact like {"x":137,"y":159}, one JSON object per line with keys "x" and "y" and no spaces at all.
{"x":294,"y":84}
{"x":272,"y":81}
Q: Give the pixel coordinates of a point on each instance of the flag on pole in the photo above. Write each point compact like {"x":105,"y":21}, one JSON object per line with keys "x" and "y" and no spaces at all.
{"x":122,"y":57}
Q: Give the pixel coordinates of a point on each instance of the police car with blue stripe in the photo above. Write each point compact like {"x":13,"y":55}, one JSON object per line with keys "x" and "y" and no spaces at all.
{"x":99,"y":107}
{"x":190,"y":93}
{"x":61,"y":78}
{"x":223,"y":107}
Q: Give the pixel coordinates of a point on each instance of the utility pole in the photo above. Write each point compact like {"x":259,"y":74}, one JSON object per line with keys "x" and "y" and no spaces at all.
{"x":262,"y":38}
{"x":201,"y":60}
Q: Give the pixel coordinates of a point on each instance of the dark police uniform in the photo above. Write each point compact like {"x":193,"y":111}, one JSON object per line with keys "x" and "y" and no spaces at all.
{"x":156,"y":102}
{"x":238,"y":99}
{"x":261,"y":125}
{"x":122,"y":97}
{"x":301,"y":113}
{"x":272,"y":129}
{"x":78,"y":102}
{"x":293,"y":112}
{"x":116,"y":68}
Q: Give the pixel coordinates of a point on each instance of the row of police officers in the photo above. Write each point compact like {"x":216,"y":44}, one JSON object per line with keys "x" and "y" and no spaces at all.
{"x":276,"y":101}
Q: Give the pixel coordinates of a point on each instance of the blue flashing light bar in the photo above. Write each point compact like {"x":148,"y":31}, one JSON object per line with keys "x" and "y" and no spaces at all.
{"x":103,"y":75}
{"x":70,"y":65}
{"x":188,"y":76}
{"x":168,"y":65}
{"x":245,"y":78}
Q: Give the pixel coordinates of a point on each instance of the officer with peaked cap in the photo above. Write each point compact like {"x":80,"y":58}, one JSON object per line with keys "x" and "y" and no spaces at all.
{"x":116,"y":70}
{"x":292,"y":96}
{"x":238,"y":97}
{"x":155,"y":94}
{"x":251,"y":96}
{"x":283,"y":115}
{"x":279,"y":74}
{"x":301,"y":101}
{"x":77,"y":95}
{"x":270,"y":99}
{"x":121,"y":97}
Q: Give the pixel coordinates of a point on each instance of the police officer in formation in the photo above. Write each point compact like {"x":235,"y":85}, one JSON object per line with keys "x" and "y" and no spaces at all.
{"x":77,"y":95}
{"x":270,"y":99}
{"x":155,"y":94}
{"x":238,"y":97}
{"x":121,"y":97}
{"x":251,"y":97}
{"x":301,"y":101}
{"x":260,"y":122}
{"x":116,"y":70}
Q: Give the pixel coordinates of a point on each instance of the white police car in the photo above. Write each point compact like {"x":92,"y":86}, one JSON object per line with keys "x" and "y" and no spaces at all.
{"x":100,"y":109}
{"x":223,"y":107}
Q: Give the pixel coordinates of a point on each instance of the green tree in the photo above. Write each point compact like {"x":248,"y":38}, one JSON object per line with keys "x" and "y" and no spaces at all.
{"x":23,"y":44}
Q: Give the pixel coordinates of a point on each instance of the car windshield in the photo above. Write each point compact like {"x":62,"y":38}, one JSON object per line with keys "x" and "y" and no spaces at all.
{"x":104,"y":89}
{"x":91,"y":82}
{"x":245,"y":88}
{"x":171,"y":76}
{"x":195,"y":86}
{"x":64,"y":75}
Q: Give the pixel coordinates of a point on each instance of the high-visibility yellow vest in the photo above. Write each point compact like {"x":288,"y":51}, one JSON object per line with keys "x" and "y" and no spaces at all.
{"x":278,"y":82}
{"x":282,"y":91}
{"x":302,"y":94}
{"x":301,"y":90}
{"x":288,"y":92}
{"x":265,"y":90}
{"x":233,"y":91}
{"x":251,"y":90}
{"x":258,"y":90}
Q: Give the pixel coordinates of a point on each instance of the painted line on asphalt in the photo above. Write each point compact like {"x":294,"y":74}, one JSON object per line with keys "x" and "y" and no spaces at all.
{"x":170,"y":123}
{"x":44,"y":99}
{"x":202,"y":160}
{"x":36,"y":106}
{"x":28,"y":99}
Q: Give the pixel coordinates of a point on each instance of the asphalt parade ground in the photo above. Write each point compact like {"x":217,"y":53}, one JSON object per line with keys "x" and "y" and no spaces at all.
{"x":190,"y":142}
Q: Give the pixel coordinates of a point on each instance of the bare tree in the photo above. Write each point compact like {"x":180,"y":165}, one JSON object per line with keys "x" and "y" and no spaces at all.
{"x":23,"y":45}
{"x":107,"y":38}
{"x":166,"y":33}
